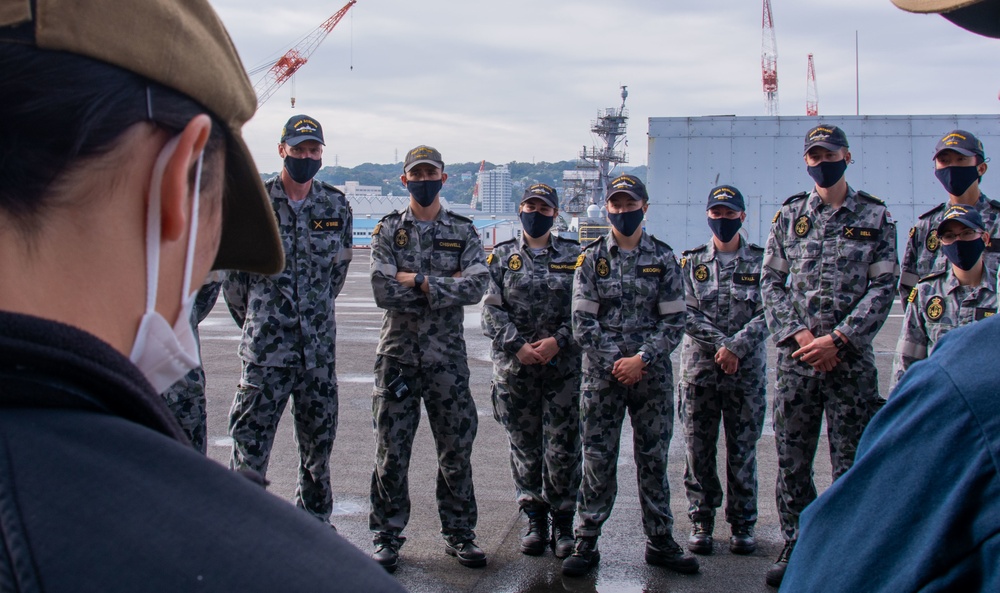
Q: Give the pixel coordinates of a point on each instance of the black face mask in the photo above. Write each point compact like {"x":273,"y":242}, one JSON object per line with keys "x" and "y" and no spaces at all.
{"x":725,"y":228}
{"x":536,"y":224}
{"x":627,"y":222}
{"x":957,"y":180}
{"x":964,"y":254}
{"x":302,"y":170}
{"x":828,"y":173}
{"x":424,"y":192}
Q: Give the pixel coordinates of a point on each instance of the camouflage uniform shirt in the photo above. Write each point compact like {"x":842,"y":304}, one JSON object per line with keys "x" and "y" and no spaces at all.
{"x":288,"y":317}
{"x":724,"y":308}
{"x":418,"y":327}
{"x":529,"y":298}
{"x":625,"y":302}
{"x":923,"y":256}
{"x":939,"y":305}
{"x":827,"y":270}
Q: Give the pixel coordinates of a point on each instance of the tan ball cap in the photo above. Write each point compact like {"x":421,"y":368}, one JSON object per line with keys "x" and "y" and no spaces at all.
{"x":183,"y":45}
{"x":933,"y":5}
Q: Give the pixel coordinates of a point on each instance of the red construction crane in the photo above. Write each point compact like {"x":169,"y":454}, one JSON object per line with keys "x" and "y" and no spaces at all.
{"x":769,"y":62}
{"x":278,"y":72}
{"x":812,"y":95}
{"x":475,"y":188}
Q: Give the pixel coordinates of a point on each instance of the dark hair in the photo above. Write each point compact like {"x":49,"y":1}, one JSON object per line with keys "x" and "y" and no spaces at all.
{"x":60,"y":109}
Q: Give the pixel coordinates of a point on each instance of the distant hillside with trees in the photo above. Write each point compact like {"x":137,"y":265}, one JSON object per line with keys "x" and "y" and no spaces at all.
{"x":461,"y":176}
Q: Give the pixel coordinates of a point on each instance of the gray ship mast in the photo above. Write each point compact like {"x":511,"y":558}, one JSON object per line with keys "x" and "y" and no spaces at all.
{"x":609,"y":127}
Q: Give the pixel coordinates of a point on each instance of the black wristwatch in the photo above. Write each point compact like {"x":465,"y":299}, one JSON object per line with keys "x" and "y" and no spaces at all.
{"x":418,"y":281}
{"x":645,"y":357}
{"x":837,"y":340}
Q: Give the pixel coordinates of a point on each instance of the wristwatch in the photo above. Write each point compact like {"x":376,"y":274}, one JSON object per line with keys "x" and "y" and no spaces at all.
{"x":418,"y":281}
{"x":837,"y":340}
{"x":645,"y":357}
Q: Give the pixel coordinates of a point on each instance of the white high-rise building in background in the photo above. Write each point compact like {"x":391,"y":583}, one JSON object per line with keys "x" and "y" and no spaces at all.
{"x":495,"y":190}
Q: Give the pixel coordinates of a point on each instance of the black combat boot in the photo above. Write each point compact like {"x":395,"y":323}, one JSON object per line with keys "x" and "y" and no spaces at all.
{"x":533,"y":542}
{"x":742,"y":540}
{"x":700,"y":541}
{"x":562,"y":533}
{"x":387,"y":550}
{"x":466,"y":552}
{"x":776,"y":573}
{"x":584,"y":557}
{"x":662,"y":550}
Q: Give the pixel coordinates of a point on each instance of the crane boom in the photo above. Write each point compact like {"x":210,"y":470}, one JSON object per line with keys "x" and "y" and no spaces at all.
{"x":296,"y":57}
{"x":812,"y":94}
{"x":769,"y":61}
{"x":475,"y":188}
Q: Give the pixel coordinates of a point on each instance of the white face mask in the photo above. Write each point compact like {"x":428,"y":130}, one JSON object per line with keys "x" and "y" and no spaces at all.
{"x":166,"y":353}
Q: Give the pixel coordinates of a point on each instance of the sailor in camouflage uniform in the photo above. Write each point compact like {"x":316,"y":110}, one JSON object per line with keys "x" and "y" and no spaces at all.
{"x":959,"y":164}
{"x":427,"y":265}
{"x":628,"y":316}
{"x":536,"y":369}
{"x":964,"y":292}
{"x":289,"y":331}
{"x":186,"y":398}
{"x":828,"y":281}
{"x":724,"y":370}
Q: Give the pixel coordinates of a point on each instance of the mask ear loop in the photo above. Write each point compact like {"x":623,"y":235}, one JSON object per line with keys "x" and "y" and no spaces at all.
{"x":153,"y":217}
{"x":193,"y":233}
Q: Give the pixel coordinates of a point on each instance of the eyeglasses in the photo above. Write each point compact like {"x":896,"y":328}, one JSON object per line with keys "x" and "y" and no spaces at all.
{"x":966,"y":235}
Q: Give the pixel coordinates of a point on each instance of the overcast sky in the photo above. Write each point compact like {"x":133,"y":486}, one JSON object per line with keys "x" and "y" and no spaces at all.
{"x":522,"y":79}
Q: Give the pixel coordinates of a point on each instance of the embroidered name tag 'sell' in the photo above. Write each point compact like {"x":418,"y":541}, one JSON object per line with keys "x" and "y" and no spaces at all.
{"x":327,"y":224}
{"x":858,"y":233}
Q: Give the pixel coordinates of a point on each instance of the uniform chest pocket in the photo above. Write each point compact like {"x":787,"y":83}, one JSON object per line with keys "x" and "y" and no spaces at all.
{"x":446,"y":257}
{"x":517,"y":284}
{"x":609,"y":289}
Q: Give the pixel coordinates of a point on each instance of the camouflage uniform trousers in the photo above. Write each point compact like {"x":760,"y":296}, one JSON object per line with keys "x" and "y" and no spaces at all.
{"x":602,"y":410}
{"x":742,"y":416}
{"x":849,"y":402}
{"x":186,"y":399}
{"x":451,"y":412}
{"x":260,"y":400}
{"x":540,"y":410}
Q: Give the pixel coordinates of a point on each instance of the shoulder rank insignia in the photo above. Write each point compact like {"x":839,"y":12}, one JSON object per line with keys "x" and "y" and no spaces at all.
{"x":913,"y":295}
{"x":378,"y":227}
{"x":684,"y":262}
{"x":776,"y":215}
{"x":802,"y":226}
{"x":579,"y":260}
{"x":701,"y":273}
{"x":935,"y":308}
{"x":490,"y":258}
{"x":913,"y":231}
{"x":603,"y":269}
{"x":514,"y":262}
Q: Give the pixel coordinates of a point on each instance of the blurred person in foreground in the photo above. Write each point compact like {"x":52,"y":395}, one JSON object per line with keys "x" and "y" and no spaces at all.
{"x":125,"y":182}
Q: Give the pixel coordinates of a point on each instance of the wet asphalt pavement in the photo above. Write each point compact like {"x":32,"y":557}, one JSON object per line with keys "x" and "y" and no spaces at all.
{"x":424,"y":566}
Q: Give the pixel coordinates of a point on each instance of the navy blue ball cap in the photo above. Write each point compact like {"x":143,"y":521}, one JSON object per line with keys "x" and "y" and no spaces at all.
{"x":627,"y":184}
{"x":543,"y":192}
{"x":300,"y":128}
{"x":827,"y":136}
{"x":962,"y":142}
{"x":728,"y":196}
{"x":970,"y":217}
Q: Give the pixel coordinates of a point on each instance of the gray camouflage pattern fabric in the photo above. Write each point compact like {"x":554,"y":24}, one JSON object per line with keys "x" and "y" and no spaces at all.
{"x":289,"y":341}
{"x":825,"y":270}
{"x":923,"y":255}
{"x":724,"y":309}
{"x":624,"y":302}
{"x":939,"y":304}
{"x":530,"y":298}
{"x":422,"y":343}
{"x":288,"y":318}
{"x":186,"y":397}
